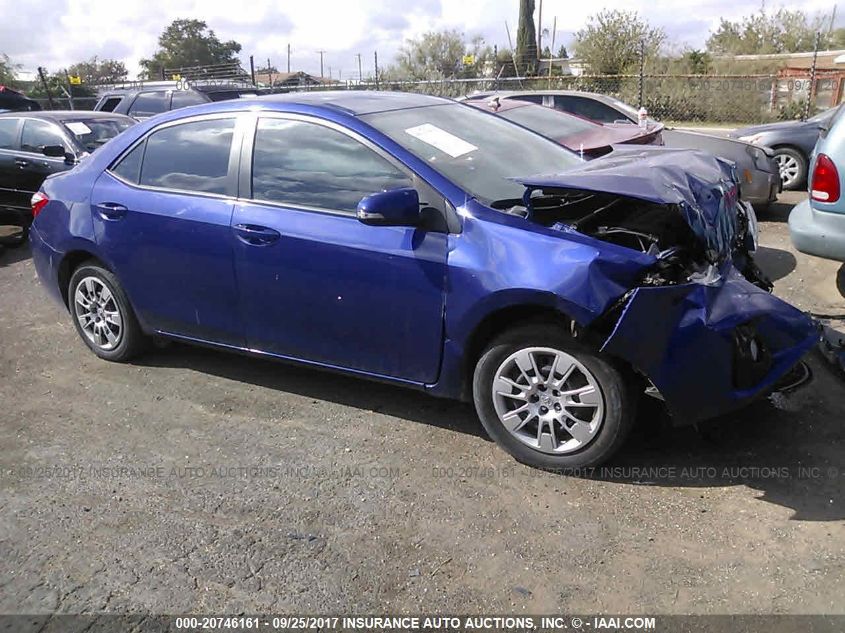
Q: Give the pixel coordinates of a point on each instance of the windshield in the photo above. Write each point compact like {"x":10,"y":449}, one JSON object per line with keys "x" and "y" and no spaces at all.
{"x":479,"y":152}
{"x":92,"y":133}
{"x":548,"y":122}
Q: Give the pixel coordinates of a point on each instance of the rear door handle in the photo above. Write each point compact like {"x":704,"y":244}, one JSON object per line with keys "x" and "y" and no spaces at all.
{"x":20,"y":162}
{"x":256,"y":235}
{"x":111,"y":210}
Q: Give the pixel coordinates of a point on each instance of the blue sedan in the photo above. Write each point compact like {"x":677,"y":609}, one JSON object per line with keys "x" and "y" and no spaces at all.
{"x":414,"y":240}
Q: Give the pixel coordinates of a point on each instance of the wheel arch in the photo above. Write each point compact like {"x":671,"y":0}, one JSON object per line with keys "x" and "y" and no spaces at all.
{"x":499,"y":321}
{"x":70,"y":262}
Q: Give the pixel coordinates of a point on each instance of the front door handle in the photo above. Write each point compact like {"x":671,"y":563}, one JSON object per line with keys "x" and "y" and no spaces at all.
{"x":20,"y":162}
{"x":111,"y":210}
{"x":256,"y":235}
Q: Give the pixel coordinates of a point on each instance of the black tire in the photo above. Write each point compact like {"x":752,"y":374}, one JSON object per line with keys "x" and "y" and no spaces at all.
{"x":131,"y":339}
{"x":796,"y":182}
{"x":619,"y":401}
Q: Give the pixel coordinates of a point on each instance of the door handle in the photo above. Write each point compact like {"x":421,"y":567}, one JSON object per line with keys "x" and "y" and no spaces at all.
{"x":256,"y":235}
{"x":111,"y":210}
{"x":20,"y":162}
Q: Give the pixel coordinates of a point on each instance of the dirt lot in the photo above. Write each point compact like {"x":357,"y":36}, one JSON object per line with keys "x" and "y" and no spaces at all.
{"x":194,"y":481}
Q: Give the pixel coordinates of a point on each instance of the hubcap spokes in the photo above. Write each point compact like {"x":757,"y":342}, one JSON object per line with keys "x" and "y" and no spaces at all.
{"x":98,"y":313}
{"x":788,"y":168}
{"x":548,"y":400}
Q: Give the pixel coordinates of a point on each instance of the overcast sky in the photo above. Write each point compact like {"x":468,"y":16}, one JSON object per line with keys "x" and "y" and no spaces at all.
{"x":56,"y":33}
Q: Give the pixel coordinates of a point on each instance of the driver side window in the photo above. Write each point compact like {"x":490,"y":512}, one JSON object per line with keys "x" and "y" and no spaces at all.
{"x":39,"y":134}
{"x":305,"y":164}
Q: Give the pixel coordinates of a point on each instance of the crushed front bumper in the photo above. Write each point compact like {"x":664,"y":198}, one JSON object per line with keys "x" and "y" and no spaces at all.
{"x":710,"y":348}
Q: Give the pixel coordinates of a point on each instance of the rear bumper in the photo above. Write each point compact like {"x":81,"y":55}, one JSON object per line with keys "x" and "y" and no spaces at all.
{"x":46,"y":262}
{"x":711,"y":349}
{"x":819,"y":233}
{"x":763,"y":188}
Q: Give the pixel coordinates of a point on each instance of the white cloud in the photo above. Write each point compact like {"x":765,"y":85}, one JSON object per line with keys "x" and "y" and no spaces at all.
{"x":57,"y":33}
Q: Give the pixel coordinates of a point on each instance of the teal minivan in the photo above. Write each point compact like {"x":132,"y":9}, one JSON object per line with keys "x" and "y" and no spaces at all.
{"x":817,"y":225}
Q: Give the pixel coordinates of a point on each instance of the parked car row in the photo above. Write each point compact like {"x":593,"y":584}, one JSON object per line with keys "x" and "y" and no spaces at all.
{"x":421,"y":242}
{"x":35,"y":144}
{"x":758,"y":171}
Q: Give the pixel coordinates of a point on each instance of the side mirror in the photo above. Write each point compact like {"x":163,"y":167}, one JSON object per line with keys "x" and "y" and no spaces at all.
{"x":53,"y":151}
{"x":397,"y":207}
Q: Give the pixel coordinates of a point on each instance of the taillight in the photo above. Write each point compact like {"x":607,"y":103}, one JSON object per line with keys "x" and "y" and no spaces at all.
{"x":38,"y":202}
{"x":824,"y":185}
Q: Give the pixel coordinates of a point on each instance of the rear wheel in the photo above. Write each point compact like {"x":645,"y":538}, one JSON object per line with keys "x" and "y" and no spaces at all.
{"x":550,"y":401}
{"x":102,"y":314}
{"x":792,"y":166}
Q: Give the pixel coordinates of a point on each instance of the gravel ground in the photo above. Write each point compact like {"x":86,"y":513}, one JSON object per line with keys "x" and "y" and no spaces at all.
{"x":195,"y":481}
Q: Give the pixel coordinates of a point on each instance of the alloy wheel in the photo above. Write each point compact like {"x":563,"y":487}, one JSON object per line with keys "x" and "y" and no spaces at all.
{"x":789,"y":169}
{"x":98,"y":313}
{"x":548,"y":400}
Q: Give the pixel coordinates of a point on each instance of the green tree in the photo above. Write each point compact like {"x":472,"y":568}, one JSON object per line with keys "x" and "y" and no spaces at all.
{"x":526,"y":38}
{"x":7,"y":71}
{"x":610,"y":42}
{"x":697,"y":62}
{"x":99,"y":71}
{"x":435,"y":55}
{"x":762,"y":33}
{"x":189,"y":43}
{"x":561,"y":52}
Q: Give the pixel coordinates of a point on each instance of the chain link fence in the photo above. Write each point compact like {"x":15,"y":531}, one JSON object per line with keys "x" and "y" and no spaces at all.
{"x":692,"y":99}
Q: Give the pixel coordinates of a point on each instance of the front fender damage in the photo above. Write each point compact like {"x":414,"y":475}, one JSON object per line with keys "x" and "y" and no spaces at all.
{"x":710,"y":345}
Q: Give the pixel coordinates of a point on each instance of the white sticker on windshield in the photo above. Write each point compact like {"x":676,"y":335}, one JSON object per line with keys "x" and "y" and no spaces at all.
{"x":441,"y":139}
{"x":78,"y":128}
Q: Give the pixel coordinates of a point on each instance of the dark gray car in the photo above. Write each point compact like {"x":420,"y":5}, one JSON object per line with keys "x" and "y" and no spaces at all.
{"x":792,"y":143}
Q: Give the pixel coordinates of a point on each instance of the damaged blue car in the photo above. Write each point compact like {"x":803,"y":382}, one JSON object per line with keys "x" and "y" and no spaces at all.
{"x":413,"y":240}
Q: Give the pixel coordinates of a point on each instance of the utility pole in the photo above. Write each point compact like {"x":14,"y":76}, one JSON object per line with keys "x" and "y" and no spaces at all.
{"x":360,"y":72}
{"x":540,"y":31}
{"x":552,"y":49}
{"x":69,"y":90}
{"x":46,"y":87}
{"x":252,"y":69}
{"x":269,"y":72}
{"x":811,"y":92}
{"x":321,"y":62}
{"x":375,"y":59}
{"x":288,"y":58}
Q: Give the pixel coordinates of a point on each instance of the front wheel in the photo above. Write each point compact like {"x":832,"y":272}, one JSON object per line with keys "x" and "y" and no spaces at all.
{"x":550,"y":401}
{"x":102,"y":314}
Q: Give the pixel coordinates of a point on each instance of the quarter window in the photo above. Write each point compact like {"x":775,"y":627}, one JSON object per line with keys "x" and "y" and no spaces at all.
{"x":129,"y":167}
{"x":311,"y":165}
{"x":38,"y":134}
{"x":190,"y":157}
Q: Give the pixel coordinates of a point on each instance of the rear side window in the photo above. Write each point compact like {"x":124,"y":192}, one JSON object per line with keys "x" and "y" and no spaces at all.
{"x":589,"y":109}
{"x":306,"y":164}
{"x":184,"y":98}
{"x":110,"y":104}
{"x":147,"y":104}
{"x":38,"y":134}
{"x":8,"y":131}
{"x":190,"y":157}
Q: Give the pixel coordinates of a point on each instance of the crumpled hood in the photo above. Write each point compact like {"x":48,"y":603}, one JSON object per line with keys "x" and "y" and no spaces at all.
{"x":704,"y":187}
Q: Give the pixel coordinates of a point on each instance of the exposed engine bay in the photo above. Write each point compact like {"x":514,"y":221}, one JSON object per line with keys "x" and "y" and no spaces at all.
{"x":658,"y":229}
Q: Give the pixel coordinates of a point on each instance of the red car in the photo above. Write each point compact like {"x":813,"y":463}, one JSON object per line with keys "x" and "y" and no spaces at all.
{"x":580,"y":135}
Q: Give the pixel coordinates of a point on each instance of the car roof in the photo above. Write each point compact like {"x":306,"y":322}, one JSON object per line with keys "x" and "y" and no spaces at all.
{"x":64,"y":115}
{"x":519,"y":93}
{"x":355,"y":102}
